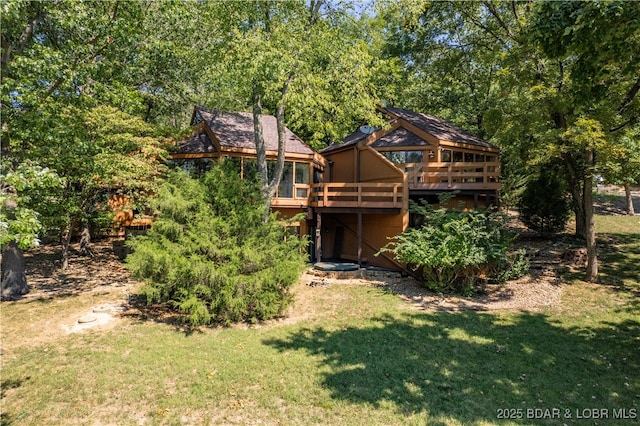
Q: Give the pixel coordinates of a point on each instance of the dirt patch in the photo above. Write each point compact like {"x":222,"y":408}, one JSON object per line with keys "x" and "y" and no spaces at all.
{"x":538,"y":290}
{"x":103,"y":272}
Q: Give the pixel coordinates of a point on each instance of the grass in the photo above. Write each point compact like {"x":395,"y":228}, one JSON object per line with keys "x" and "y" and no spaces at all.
{"x":363,"y":358}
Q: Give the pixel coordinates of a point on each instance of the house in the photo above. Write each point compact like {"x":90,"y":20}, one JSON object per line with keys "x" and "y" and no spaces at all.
{"x":230,"y":135}
{"x":356,"y":194}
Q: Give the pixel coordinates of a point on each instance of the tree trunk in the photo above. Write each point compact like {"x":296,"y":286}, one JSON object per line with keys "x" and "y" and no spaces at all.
{"x":261,"y":154}
{"x":629,"y":201}
{"x":577,"y":195}
{"x":269,"y":184}
{"x":66,"y":242}
{"x":85,"y":241}
{"x":14,"y":280}
{"x":592,"y":258}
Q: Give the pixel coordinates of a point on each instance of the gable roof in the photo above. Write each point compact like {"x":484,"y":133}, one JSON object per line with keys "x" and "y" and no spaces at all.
{"x":235,"y":130}
{"x":437,"y":127}
{"x":402,"y":136}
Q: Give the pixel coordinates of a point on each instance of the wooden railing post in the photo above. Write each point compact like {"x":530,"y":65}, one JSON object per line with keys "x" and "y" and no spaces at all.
{"x":485,"y":178}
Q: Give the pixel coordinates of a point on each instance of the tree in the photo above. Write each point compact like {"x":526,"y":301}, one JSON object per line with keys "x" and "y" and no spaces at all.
{"x":544,"y":206}
{"x":19,"y":225}
{"x":211,"y":255}
{"x":62,"y":63}
{"x":623,"y":164}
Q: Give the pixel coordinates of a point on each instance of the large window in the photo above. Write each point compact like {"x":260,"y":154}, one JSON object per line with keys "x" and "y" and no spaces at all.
{"x":295,"y":179}
{"x":403,"y":157}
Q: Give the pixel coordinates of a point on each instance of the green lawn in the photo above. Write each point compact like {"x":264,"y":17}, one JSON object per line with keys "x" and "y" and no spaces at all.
{"x":366,"y":359}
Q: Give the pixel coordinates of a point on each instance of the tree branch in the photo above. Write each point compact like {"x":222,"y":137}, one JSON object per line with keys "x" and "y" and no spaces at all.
{"x":9,"y":50}
{"x":501,"y":22}
{"x":630,"y":95}
{"x":483,"y":27}
{"x":631,"y":120}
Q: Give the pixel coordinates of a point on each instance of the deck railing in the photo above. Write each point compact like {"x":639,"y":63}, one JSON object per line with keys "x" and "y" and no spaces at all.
{"x":458,"y":175}
{"x":370,"y":195}
{"x":432,"y":176}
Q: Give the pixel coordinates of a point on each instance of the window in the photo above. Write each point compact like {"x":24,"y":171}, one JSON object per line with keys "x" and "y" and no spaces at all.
{"x":457,"y":156}
{"x":402,"y":157}
{"x":302,"y":173}
{"x":414,"y":156}
{"x":468,"y":157}
{"x":445,"y":155}
{"x":236,"y":163}
{"x":302,"y":178}
{"x":197,"y":167}
{"x":285,"y":189}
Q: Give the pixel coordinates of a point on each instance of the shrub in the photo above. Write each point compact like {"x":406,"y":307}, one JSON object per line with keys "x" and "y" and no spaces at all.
{"x":211,"y":255}
{"x":456,"y":250}
{"x":544,"y":206}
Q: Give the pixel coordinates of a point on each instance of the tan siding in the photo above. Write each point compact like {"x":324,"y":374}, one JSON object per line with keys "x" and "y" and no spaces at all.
{"x":376,"y":169}
{"x":343,"y":167}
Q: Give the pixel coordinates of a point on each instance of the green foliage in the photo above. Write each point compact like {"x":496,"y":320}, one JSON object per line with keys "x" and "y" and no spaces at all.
{"x":623,"y":164}
{"x":544,"y":206}
{"x":456,"y":250}
{"x":18,"y":222}
{"x":210,"y":253}
{"x":330,"y":60}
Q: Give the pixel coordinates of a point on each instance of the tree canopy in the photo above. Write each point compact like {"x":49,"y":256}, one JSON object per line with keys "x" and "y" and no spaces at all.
{"x":87,"y":81}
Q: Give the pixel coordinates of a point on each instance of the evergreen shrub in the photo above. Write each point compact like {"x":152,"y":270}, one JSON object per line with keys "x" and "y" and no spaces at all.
{"x":544,"y":206}
{"x":458,"y":251}
{"x":211,"y":254}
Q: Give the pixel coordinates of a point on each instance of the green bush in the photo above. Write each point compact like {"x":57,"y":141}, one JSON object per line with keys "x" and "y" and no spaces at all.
{"x":457,"y":250}
{"x":210,"y":253}
{"x":544,"y":205}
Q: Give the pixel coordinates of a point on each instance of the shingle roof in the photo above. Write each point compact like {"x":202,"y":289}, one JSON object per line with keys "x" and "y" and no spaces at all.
{"x":352,"y":139}
{"x":399,"y":137}
{"x":435,"y":126}
{"x":235,"y":130}
{"x":198,"y":143}
{"x":438,"y":127}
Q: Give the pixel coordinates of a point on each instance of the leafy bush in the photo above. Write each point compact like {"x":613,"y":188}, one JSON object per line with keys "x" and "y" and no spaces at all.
{"x":211,"y":254}
{"x":544,"y":205}
{"x":457,"y":250}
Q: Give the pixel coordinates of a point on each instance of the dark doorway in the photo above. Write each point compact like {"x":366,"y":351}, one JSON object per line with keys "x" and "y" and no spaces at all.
{"x":337,"y":244}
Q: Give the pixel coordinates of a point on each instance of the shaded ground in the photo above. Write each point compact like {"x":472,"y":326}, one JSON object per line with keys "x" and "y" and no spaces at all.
{"x":105,"y":276}
{"x":102,"y":272}
{"x":609,"y":200}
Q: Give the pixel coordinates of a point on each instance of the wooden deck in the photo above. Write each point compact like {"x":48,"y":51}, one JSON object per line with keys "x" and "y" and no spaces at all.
{"x":424,"y":177}
{"x":365,"y":195}
{"x":452,"y":176}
